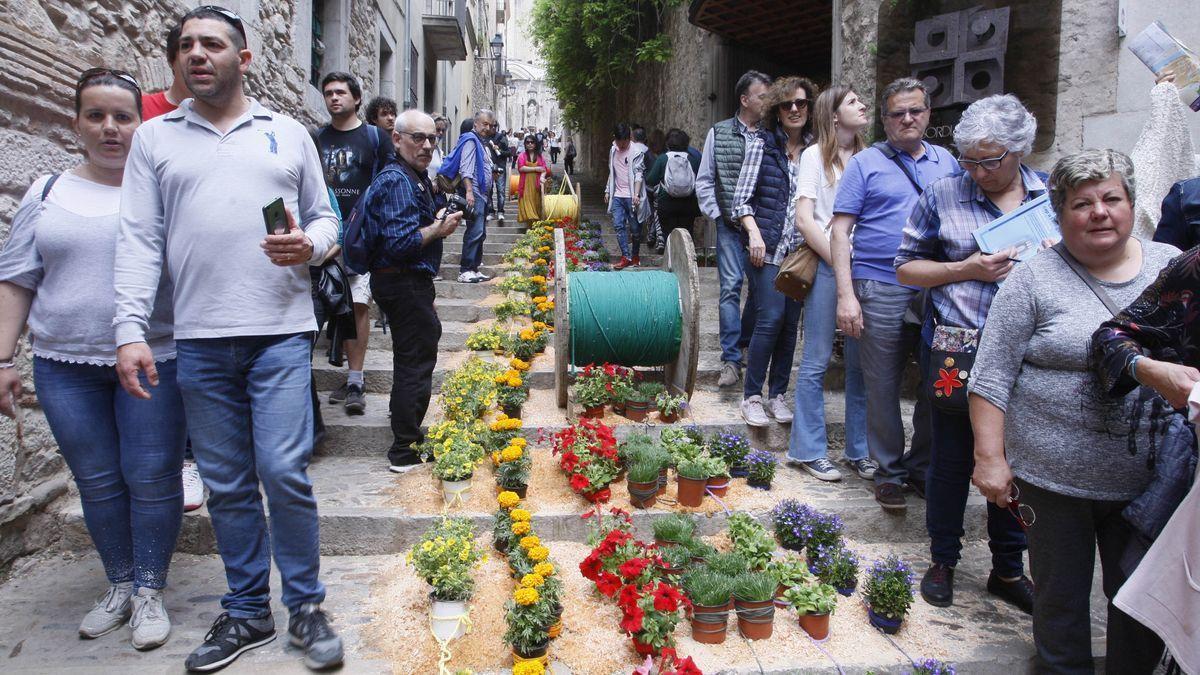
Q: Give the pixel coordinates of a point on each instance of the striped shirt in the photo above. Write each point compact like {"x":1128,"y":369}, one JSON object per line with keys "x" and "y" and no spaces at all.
{"x":941,"y":228}
{"x":748,"y":180}
{"x":399,"y":203}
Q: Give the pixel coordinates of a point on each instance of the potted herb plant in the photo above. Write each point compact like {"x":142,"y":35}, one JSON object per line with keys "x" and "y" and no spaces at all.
{"x":730,"y":564}
{"x":710,"y":593}
{"x":677,"y":528}
{"x":643,"y":481}
{"x":444,"y":558}
{"x":670,"y":407}
{"x":692,"y":480}
{"x":718,"y":475}
{"x":754,"y":600}
{"x":701,"y":551}
{"x":888,"y":593}
{"x":675,"y":559}
{"x":813,"y":603}
{"x":788,"y":571}
{"x":751,"y":541}
{"x":760,"y":469}
{"x":637,"y":404}
{"x":837,"y":566}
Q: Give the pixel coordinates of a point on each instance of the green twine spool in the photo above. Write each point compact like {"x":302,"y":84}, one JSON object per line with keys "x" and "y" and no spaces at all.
{"x":626,"y":318}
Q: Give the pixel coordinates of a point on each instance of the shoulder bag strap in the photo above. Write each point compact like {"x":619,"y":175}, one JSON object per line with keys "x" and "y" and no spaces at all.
{"x":891,"y":154}
{"x":49,"y":184}
{"x":1086,"y":277}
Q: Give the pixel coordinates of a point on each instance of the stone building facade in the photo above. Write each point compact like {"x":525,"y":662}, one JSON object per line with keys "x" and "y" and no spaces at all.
{"x":44,"y":44}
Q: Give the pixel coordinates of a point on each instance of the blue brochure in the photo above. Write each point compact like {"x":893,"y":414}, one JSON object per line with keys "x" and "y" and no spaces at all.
{"x":1024,"y":228}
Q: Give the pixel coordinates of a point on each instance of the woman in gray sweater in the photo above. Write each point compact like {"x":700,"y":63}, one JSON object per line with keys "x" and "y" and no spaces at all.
{"x":56,"y":274}
{"x":1049,"y":445}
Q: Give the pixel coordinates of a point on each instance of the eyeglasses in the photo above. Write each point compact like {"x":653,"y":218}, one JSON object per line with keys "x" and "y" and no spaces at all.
{"x":1022,"y":512}
{"x":901,"y":114}
{"x":97,"y":72}
{"x":230,"y":16}
{"x":796,"y":104}
{"x":421,"y":139}
{"x":989,"y":164}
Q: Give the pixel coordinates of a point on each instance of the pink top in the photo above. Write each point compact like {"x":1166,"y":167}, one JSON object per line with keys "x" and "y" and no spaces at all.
{"x":620,"y":169}
{"x":523,"y":160}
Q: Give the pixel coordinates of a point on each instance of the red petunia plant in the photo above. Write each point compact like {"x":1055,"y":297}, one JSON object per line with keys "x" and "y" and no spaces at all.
{"x":650,"y":613}
{"x":587,"y":453}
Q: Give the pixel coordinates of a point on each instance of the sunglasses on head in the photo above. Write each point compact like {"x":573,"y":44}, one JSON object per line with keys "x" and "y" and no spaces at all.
{"x":230,"y":17}
{"x":91,"y":73}
{"x":795,"y":104}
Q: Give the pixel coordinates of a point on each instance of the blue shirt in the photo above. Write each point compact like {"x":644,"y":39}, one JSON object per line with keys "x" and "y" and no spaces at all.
{"x":941,"y":228}
{"x":880,"y":197}
{"x":399,"y":203}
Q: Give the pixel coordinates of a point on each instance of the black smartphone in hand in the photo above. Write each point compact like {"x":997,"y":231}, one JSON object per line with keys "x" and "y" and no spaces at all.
{"x":275,"y":217}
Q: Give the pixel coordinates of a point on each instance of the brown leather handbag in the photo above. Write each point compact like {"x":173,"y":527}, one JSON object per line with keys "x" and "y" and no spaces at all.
{"x":796,"y":273}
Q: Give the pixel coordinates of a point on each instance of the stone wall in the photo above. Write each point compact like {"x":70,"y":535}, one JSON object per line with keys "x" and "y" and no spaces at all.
{"x":44,"y":44}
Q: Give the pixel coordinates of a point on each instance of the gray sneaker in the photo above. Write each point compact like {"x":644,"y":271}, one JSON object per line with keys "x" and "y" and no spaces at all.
{"x":338,"y":395}
{"x":777,"y":408}
{"x":730,"y":374}
{"x":309,"y":629}
{"x":149,"y":622}
{"x":356,"y":402}
{"x":110,"y":613}
{"x":753,"y":413}
{"x":822,"y":469}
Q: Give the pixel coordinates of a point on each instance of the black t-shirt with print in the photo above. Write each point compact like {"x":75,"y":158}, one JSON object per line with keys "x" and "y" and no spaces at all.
{"x":350,"y":160}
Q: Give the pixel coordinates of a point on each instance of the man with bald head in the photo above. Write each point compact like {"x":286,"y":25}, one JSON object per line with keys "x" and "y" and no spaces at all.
{"x":405,"y":239}
{"x":472,"y":163}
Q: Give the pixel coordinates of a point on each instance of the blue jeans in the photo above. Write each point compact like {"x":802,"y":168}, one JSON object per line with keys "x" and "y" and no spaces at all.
{"x":499,"y":189}
{"x":951,"y":463}
{"x":736,"y":324}
{"x":626,"y":224}
{"x":809,"y":440}
{"x":885,"y":349}
{"x":250,"y":418}
{"x":473,"y":237}
{"x":774,"y":341}
{"x":126,"y":455}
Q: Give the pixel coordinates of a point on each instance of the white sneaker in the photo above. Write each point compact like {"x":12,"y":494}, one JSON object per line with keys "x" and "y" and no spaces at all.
{"x":149,"y":621}
{"x":193,"y":487}
{"x":753,"y":413}
{"x":110,"y":612}
{"x":467,"y":278}
{"x":480,"y":276}
{"x":778,"y":409}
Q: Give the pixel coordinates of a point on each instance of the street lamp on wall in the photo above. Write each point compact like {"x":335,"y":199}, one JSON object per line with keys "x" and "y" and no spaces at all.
{"x":497,"y":45}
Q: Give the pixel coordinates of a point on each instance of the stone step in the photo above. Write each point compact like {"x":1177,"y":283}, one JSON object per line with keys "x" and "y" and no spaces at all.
{"x":377,"y":605}
{"x":378,"y":371}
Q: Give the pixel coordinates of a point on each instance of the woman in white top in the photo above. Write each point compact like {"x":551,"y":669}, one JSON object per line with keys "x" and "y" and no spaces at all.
{"x":56,"y":274}
{"x":840,"y":119}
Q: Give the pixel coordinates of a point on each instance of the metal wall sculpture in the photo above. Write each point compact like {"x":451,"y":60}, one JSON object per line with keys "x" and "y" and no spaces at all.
{"x":960,"y":55}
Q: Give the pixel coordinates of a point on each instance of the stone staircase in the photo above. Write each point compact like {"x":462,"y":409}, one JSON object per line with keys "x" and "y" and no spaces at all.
{"x":369,"y":517}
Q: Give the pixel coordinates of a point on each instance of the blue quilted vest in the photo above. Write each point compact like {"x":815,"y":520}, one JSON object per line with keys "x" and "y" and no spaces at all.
{"x":774,"y":189}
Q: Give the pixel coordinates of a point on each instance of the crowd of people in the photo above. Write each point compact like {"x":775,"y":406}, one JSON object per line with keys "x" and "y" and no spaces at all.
{"x":901,"y":276}
{"x":142,"y":274}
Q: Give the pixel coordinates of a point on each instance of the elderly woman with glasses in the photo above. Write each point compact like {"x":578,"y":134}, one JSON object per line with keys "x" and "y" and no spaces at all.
{"x":1047,"y":433}
{"x":939,"y":252}
{"x":56,"y":275}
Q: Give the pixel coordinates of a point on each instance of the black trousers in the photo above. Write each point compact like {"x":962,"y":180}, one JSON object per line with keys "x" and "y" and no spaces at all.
{"x":569,"y":164}
{"x":407,"y":301}
{"x":1062,"y":554}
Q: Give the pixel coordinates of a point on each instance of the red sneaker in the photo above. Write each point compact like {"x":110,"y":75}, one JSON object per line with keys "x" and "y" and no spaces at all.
{"x":636,"y":262}
{"x":622,"y":263}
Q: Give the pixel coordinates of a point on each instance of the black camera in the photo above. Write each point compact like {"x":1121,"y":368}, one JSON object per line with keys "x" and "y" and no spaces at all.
{"x":458,"y":203}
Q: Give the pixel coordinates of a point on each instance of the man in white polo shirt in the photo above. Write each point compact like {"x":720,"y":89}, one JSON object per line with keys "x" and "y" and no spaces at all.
{"x":194,"y":194}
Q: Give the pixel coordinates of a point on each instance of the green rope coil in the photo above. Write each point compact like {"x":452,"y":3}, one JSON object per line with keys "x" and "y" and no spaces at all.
{"x":626,"y":318}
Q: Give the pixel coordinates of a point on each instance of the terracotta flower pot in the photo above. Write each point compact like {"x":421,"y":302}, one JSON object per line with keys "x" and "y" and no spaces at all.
{"x":637,"y":410}
{"x":718,"y":485}
{"x":643,"y":495}
{"x":709,"y":624}
{"x":779,"y":601}
{"x":618,"y":407}
{"x":668,"y":418}
{"x":644,"y":649}
{"x":691,"y":491}
{"x":886,"y":624}
{"x":663,"y":479}
{"x":816,"y":625}
{"x":595,"y":412}
{"x":756,"y":620}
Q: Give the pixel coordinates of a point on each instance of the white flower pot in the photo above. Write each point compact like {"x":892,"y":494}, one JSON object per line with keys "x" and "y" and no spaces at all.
{"x":448,"y":619}
{"x":461,"y":488}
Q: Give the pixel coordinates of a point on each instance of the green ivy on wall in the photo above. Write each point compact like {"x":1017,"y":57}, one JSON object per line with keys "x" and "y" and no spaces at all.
{"x":591,"y":47}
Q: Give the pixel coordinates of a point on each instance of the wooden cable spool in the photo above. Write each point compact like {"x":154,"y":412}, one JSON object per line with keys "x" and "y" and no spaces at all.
{"x":680,"y":260}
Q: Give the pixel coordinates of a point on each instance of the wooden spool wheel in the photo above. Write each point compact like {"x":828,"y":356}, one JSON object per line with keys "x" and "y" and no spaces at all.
{"x":680,"y":260}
